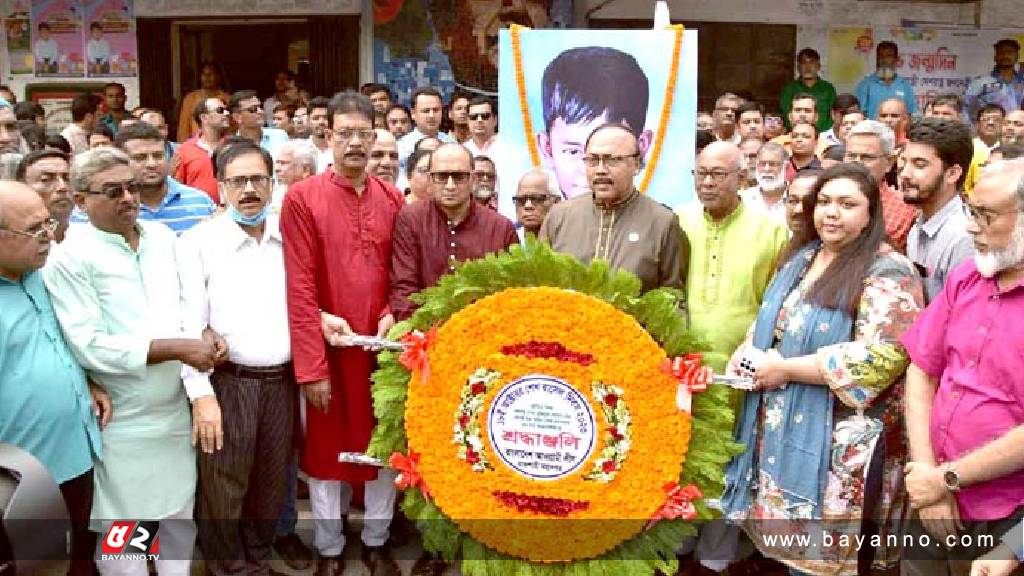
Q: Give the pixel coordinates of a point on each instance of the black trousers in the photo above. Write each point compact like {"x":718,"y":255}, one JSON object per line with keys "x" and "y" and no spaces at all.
{"x":937,"y":560}
{"x":77,"y":494}
{"x":242,"y":486}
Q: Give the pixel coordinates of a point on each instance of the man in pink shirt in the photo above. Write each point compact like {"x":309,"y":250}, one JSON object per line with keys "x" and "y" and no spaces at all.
{"x":965,"y":389}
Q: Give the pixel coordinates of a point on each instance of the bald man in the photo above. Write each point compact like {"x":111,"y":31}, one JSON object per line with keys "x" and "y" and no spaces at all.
{"x":615,"y":222}
{"x":537,"y":192}
{"x":383,"y":161}
{"x":735,"y":249}
{"x":431,"y":237}
{"x":893,"y":113}
{"x":46,"y":406}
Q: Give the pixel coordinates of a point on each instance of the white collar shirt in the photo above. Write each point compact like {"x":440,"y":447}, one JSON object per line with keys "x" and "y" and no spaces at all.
{"x":236,"y":286}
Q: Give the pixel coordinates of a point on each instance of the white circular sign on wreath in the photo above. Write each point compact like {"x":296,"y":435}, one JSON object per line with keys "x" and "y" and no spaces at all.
{"x":541,"y":427}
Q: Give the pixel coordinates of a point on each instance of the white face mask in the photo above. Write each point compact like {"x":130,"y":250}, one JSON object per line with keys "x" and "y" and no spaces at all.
{"x":771,"y":182}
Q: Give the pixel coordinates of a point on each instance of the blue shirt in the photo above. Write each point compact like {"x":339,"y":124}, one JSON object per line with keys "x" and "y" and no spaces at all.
{"x":272,"y":139}
{"x":871,"y":92}
{"x":992,"y":89}
{"x":182,"y":208}
{"x":45,"y":406}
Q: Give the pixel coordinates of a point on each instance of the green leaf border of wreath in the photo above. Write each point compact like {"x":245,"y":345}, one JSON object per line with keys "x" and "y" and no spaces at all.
{"x":536,"y":264}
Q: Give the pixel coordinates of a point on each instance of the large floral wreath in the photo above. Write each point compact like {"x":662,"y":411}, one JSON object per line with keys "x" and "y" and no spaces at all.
{"x":497,"y":325}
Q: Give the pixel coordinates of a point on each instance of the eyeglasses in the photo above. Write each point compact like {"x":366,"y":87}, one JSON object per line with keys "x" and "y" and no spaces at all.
{"x":42,"y":234}
{"x":348,"y":133}
{"x":258,"y":181}
{"x":609,"y":160}
{"x":716,"y":175}
{"x":535,"y":199}
{"x":983,"y":217}
{"x":480,"y":116}
{"x":115,"y":190}
{"x":861,"y":158}
{"x":442,"y":177}
{"x":255,"y":108}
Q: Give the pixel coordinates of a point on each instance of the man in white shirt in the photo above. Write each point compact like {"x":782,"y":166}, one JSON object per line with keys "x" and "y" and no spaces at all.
{"x":483,"y":123}
{"x":295,"y":160}
{"x":320,"y":137}
{"x":770,"y":174}
{"x":427,"y":110}
{"x":84,"y":117}
{"x":232,"y":274}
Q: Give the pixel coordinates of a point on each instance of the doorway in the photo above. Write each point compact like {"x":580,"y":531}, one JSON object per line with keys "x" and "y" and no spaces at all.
{"x":322,"y":49}
{"x":250,"y":53}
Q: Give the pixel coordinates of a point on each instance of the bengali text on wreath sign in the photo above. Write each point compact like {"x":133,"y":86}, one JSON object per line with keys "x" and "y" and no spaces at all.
{"x":541,"y":427}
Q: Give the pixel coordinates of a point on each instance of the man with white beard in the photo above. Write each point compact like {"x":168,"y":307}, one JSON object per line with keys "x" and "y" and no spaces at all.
{"x":770,"y":174}
{"x":963,"y":391}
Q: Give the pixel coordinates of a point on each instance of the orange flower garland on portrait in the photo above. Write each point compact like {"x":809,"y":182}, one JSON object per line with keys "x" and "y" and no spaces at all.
{"x":618,"y":353}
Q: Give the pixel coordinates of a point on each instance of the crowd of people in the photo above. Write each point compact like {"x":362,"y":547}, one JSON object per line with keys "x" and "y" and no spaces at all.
{"x":175,"y":314}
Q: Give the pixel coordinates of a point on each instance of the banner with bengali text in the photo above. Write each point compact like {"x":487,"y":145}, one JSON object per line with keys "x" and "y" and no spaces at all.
{"x":933,"y":60}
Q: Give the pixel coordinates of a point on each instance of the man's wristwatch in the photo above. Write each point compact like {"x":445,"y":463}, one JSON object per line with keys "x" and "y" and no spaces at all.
{"x":950,"y":478}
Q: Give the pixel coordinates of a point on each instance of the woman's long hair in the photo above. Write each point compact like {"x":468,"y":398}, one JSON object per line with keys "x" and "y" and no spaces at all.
{"x":839,"y":287}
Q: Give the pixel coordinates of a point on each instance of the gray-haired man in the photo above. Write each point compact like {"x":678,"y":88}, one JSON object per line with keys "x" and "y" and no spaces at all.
{"x":116,"y":292}
{"x":536,"y":193}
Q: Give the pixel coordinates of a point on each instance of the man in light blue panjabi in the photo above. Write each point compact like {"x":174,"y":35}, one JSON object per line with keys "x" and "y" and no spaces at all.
{"x":115,"y":288}
{"x":45,"y":404}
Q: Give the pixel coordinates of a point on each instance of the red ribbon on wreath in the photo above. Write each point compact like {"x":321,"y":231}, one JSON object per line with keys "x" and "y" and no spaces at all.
{"x":693,"y":377}
{"x":414,"y":358}
{"x":678,"y":503}
{"x":408,"y":475}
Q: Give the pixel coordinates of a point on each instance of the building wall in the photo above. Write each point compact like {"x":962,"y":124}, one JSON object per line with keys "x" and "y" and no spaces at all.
{"x":194,"y":8}
{"x":814,"y":17}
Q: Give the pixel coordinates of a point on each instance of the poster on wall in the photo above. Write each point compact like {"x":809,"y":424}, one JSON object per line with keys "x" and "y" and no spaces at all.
{"x":557,"y":86}
{"x":451,"y":44}
{"x":933,"y":60}
{"x":18,"y":29}
{"x":57,"y":38}
{"x":110,"y":47}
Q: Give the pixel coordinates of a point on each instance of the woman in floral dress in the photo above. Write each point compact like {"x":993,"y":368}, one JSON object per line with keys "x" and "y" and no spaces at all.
{"x":824,"y":442}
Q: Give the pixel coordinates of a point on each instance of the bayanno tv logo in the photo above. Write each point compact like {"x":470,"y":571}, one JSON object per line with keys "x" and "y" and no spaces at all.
{"x":130,"y":540}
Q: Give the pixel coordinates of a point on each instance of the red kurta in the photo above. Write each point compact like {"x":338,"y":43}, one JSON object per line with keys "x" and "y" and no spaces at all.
{"x":337,"y":246}
{"x":195,"y":169}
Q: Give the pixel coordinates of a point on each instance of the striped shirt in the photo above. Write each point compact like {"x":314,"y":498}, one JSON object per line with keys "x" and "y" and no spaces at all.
{"x":182,"y":208}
